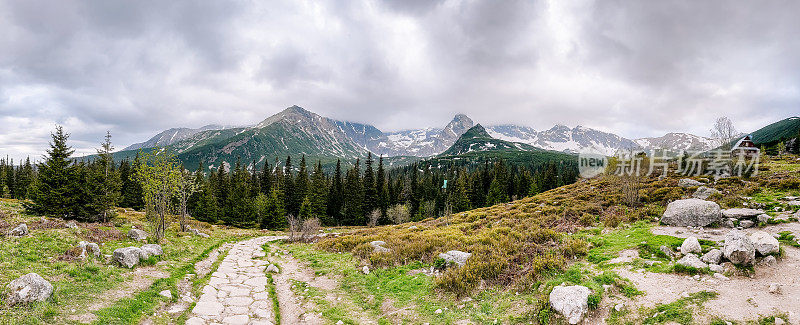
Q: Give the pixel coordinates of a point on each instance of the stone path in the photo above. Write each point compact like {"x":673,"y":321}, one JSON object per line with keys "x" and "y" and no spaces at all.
{"x":237,"y":291}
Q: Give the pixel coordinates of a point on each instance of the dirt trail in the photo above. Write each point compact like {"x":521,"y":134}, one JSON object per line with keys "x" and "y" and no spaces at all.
{"x":740,"y":298}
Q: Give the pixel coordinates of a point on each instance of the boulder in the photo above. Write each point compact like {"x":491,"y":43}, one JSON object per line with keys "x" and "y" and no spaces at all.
{"x":137,"y":235}
{"x":688,"y":182}
{"x":739,"y":249}
{"x":742,"y":213}
{"x":377,"y":246}
{"x":153,"y":249}
{"x":764,"y":243}
{"x":457,"y":257}
{"x":713,"y":256}
{"x":128,"y":256}
{"x":691,"y":212}
{"x":28,"y":288}
{"x":19,"y":231}
{"x":746,"y":223}
{"x":692,"y":260}
{"x":768,"y":261}
{"x":690,"y":245}
{"x":703,"y":192}
{"x":572,"y":302}
{"x":763,"y":218}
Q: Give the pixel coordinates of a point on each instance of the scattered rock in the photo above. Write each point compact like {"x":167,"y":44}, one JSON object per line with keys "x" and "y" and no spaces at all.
{"x":365,"y":269}
{"x":378,"y":247}
{"x":690,"y":245}
{"x":619,"y":307}
{"x":688,"y":182}
{"x":720,"y":276}
{"x":340,"y":322}
{"x":272,"y":269}
{"x":704,"y":192}
{"x":763,"y":218}
{"x":774,"y":288}
{"x":137,"y":235}
{"x":128,"y":256}
{"x":712,"y":257}
{"x":438,"y":311}
{"x":457,"y":257}
{"x":740,"y":213}
{"x":746,"y":223}
{"x":572,"y":302}
{"x":692,"y":260}
{"x":764,"y":243}
{"x":166,"y":294}
{"x":716,"y":268}
{"x":19,"y":231}
{"x":793,"y":203}
{"x":691,"y":212}
{"x":412,"y":228}
{"x":729,"y":223}
{"x":153,"y":249}
{"x":28,"y":288}
{"x":768,"y":261}
{"x":739,"y":249}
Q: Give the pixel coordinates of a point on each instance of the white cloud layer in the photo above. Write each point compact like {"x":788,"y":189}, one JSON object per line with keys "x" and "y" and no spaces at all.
{"x":636,"y":68}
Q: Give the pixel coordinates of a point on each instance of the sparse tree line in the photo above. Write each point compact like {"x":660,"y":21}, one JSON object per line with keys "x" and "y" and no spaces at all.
{"x":269,"y":195}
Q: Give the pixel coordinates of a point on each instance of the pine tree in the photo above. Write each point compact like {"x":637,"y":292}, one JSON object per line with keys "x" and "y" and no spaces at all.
{"x":271,"y":209}
{"x":239,"y":207}
{"x":459,"y":195}
{"x":301,"y":184}
{"x":336,"y":196}
{"x":107,"y":179}
{"x":370,"y":193}
{"x":288,"y":188}
{"x":131,"y":190}
{"x":353,"y":209}
{"x":53,"y":195}
{"x":382,"y":192}
{"x":25,"y":178}
{"x":318,"y":194}
{"x":266,"y":178}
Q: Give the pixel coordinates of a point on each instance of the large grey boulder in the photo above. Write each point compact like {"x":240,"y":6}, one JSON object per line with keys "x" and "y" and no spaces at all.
{"x":572,"y":302}
{"x":28,"y":288}
{"x":137,"y":235}
{"x":742,"y":213}
{"x":713,"y":256}
{"x":690,"y":245}
{"x":19,"y":231}
{"x":457,"y":257}
{"x":739,"y":249}
{"x":692,"y":260}
{"x":691,"y":212}
{"x":764,"y":243}
{"x":153,"y":249}
{"x":128,"y":256}
{"x":377,"y":246}
{"x":688,"y":182}
{"x":703,"y":192}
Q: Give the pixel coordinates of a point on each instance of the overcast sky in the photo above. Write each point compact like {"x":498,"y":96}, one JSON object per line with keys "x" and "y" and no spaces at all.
{"x":635,"y":68}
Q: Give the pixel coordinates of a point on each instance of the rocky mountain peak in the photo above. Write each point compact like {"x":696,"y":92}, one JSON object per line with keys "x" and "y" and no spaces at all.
{"x":476,"y":131}
{"x":460,"y":124}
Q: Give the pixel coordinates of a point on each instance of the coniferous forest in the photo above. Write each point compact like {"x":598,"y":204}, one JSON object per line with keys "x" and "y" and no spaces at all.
{"x":355,"y":193}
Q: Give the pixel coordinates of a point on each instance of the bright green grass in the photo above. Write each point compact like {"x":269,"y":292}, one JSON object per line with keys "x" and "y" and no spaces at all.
{"x":637,"y":235}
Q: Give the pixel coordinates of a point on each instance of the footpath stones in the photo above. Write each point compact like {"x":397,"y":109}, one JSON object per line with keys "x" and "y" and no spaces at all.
{"x":237,"y":292}
{"x":28,"y":288}
{"x":137,"y":235}
{"x":19,"y":231}
{"x":691,"y":212}
{"x":690,"y":245}
{"x":457,"y":257}
{"x":572,"y":302}
{"x":764,"y":243}
{"x":739,"y":249}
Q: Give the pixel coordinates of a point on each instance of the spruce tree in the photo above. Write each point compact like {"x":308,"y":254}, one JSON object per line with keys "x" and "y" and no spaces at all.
{"x":54,"y":193}
{"x":318,"y":194}
{"x":266,"y":178}
{"x":335,"y":196}
{"x":370,"y":193}
{"x":288,"y":188}
{"x":382,"y":192}
{"x":301,"y":184}
{"x":107,"y":179}
{"x":353,"y":209}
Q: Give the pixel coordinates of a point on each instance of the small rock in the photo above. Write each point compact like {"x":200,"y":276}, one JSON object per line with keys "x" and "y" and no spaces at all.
{"x":339,"y":322}
{"x":28,"y":288}
{"x":438,"y":311}
{"x":128,"y":256}
{"x":166,"y":294}
{"x":764,"y":243}
{"x":774,"y":288}
{"x":458,"y":257}
{"x":412,"y":227}
{"x":746,"y":223}
{"x":137,"y":235}
{"x":740,"y":213}
{"x":729,"y":223}
{"x":779,"y":321}
{"x":763,"y":218}
{"x":712,"y":257}
{"x":720,"y":276}
{"x":619,"y":307}
{"x":71,"y":224}
{"x":703,"y":192}
{"x":688,"y":182}
{"x":690,"y":245}
{"x":93,"y":249}
{"x":272,"y":269}
{"x":769,"y":261}
{"x":716,"y":268}
{"x":692,"y":260}
{"x":572,"y":302}
{"x":365,"y":269}
{"x":19,"y":231}
{"x":377,"y":246}
{"x":153,"y":249}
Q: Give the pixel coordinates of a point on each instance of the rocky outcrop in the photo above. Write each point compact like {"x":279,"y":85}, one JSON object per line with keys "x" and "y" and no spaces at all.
{"x":703,"y":192}
{"x":19,"y":231}
{"x":572,"y":302}
{"x":742,"y":213}
{"x":690,"y":245}
{"x":28,"y":288}
{"x":377,"y":247}
{"x":739,"y":249}
{"x":691,"y":212}
{"x":457,"y":257}
{"x":764,"y":243}
{"x":688,"y":182}
{"x":137,"y":235}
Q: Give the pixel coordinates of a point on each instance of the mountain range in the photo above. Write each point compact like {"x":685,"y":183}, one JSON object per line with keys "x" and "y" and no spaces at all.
{"x":297,"y":131}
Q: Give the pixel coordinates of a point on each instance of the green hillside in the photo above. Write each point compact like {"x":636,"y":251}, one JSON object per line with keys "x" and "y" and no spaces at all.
{"x":779,"y":131}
